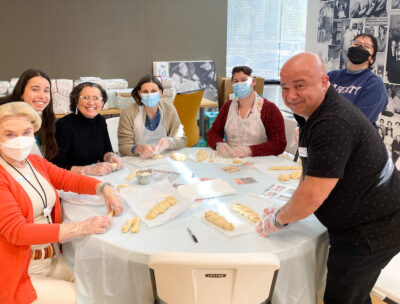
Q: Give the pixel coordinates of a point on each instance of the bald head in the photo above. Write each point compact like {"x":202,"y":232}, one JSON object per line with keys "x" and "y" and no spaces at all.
{"x":309,"y":62}
{"x":304,"y":83}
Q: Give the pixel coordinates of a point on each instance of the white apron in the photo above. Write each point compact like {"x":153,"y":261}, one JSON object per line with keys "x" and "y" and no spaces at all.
{"x":246,"y":131}
{"x":143,"y":136}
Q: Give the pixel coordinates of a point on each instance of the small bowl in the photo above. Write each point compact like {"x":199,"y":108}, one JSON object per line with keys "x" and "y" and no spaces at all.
{"x":143,"y":176}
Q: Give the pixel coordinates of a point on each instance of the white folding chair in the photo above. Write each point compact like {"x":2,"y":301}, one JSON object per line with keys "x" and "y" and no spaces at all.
{"x":213,"y":278}
{"x":387,"y":287}
{"x":112,"y":127}
{"x":290,"y":128}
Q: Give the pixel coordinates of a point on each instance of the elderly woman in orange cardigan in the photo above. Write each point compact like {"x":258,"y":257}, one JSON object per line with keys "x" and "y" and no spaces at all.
{"x":30,"y":215}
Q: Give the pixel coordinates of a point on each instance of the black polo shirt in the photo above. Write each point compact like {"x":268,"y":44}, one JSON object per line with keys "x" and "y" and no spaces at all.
{"x":338,"y":141}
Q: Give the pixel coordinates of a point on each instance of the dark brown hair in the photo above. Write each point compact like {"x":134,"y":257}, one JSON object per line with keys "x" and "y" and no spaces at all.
{"x":145,"y":79}
{"x":48,"y":129}
{"x":242,"y":68}
{"x":76,"y":92}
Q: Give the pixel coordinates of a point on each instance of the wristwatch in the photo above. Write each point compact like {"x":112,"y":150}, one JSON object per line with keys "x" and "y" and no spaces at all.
{"x":275,"y":221}
{"x":103,"y":185}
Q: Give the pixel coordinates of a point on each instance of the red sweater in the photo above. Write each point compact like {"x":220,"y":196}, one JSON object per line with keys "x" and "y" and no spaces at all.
{"x":272,"y":120}
{"x":17,"y":231}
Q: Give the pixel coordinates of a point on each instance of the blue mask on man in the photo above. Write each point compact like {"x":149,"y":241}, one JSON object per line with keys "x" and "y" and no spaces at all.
{"x":243,"y":89}
{"x":151,"y":100}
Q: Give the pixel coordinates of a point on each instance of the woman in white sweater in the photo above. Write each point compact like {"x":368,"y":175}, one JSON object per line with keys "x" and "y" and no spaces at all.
{"x":148,"y":127}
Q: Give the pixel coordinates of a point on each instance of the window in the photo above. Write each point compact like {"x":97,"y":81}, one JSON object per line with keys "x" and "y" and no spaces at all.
{"x":263,"y":34}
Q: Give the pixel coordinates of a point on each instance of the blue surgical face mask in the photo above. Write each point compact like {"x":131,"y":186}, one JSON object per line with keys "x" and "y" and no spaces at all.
{"x":151,"y":100}
{"x":243,"y":89}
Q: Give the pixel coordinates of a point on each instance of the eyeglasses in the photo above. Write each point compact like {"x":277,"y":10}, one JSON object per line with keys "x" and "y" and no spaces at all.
{"x":366,"y":46}
{"x":94,"y":98}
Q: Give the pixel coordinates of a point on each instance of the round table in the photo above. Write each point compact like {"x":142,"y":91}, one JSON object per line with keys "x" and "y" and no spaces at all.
{"x":112,"y":267}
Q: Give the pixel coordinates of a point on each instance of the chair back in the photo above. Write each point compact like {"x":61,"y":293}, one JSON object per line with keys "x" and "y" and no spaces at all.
{"x":112,"y":127}
{"x":290,"y":129}
{"x":214,"y":278}
{"x":187,"y":105}
{"x":387,"y":286}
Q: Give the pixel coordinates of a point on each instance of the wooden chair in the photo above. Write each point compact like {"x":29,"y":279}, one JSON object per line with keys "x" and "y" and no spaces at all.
{"x":187,"y":105}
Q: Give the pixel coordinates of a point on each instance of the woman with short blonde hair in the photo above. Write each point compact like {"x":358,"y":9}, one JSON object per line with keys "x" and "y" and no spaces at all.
{"x":30,"y":214}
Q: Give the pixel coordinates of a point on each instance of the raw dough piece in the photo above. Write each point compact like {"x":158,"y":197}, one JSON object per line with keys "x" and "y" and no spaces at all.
{"x":158,"y":156}
{"x":284,"y":177}
{"x":230,"y":169}
{"x":119,"y":186}
{"x":237,"y":161}
{"x":161,"y":207}
{"x":132,"y":175}
{"x":111,"y":213}
{"x":295,"y":174}
{"x":114,"y":166}
{"x":246,"y":211}
{"x":218,"y":220}
{"x":135,"y":224}
{"x":178,"y":156}
{"x":127,"y":226}
{"x":212,"y":156}
{"x":201,"y":155}
{"x":285,"y":168}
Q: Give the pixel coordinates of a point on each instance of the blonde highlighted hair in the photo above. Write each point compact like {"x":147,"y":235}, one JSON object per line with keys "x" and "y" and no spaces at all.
{"x":20,"y":108}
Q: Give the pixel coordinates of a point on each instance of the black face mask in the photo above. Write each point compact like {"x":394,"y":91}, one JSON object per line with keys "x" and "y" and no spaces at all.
{"x":357,"y":54}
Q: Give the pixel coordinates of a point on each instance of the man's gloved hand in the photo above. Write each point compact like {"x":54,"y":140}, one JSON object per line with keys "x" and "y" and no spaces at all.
{"x":266,"y":225}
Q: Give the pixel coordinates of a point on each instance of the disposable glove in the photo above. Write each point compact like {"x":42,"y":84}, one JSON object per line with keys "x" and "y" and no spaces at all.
{"x":145,"y":151}
{"x":98,"y":169}
{"x":266,"y":225}
{"x":162,"y":145}
{"x":224,"y":149}
{"x":241,"y":151}
{"x":97,"y":224}
{"x":114,"y":159}
{"x":111,"y":198}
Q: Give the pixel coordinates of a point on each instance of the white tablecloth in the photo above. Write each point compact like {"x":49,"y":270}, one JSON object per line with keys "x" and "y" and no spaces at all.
{"x":112,"y":268}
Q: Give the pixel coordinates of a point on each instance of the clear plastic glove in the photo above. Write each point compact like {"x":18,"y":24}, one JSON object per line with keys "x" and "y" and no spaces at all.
{"x":145,"y":151}
{"x":223,"y":149}
{"x":241,"y":151}
{"x":97,"y":224}
{"x":266,"y":225}
{"x":111,"y":198}
{"x":98,"y":169}
{"x":114,"y":158}
{"x":162,"y":145}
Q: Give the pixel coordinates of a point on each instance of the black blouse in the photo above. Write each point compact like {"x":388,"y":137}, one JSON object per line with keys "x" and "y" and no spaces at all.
{"x":82,"y":141}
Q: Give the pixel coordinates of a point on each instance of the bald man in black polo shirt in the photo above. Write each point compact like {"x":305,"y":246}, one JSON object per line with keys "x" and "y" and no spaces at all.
{"x":349,"y":182}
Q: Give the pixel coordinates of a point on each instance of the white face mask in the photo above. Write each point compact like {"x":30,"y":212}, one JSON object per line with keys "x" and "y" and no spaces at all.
{"x":17,"y":148}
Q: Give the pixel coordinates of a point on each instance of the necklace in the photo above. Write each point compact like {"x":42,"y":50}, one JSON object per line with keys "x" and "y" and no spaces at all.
{"x":44,"y":199}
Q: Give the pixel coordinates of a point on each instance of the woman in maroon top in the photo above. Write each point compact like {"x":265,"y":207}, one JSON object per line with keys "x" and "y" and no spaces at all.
{"x":252,"y":125}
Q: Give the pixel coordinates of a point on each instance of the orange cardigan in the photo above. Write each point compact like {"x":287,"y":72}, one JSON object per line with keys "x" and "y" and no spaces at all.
{"x":17,"y":231}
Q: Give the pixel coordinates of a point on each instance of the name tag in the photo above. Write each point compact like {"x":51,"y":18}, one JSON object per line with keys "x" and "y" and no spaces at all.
{"x":303,"y":151}
{"x":47,"y":212}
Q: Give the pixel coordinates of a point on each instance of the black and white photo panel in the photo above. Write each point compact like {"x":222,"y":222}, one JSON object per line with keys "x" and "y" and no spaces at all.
{"x":393,"y":50}
{"x":325,"y":22}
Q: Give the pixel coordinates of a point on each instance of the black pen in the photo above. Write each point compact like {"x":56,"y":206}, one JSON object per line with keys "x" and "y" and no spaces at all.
{"x":192,"y":235}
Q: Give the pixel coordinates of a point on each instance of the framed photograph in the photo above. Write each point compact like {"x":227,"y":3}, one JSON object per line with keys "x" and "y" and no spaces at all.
{"x":190,"y":76}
